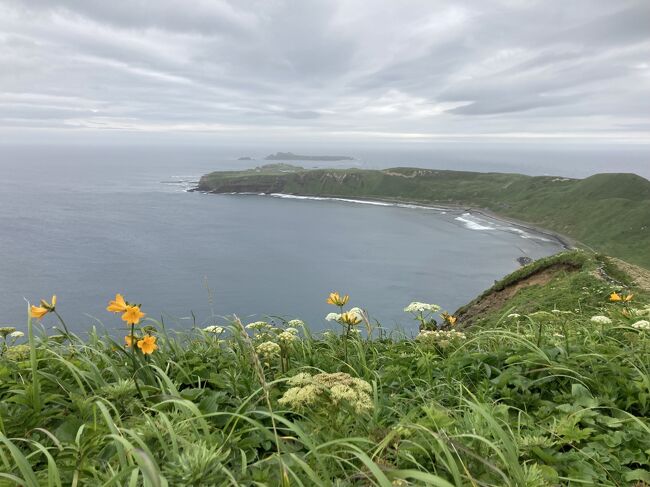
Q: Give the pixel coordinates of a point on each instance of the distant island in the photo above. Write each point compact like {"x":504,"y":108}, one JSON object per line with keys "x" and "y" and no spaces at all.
{"x":245,"y":158}
{"x":290,"y":156}
{"x":607,"y":212}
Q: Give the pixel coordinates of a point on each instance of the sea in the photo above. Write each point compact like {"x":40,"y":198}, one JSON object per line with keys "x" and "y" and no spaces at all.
{"x":87,"y":222}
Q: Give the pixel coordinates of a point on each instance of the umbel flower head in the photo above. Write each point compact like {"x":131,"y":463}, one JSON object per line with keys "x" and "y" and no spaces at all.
{"x":258,"y":325}
{"x":213,"y":329}
{"x":601,"y":320}
{"x":417,"y":307}
{"x":441,"y":338}
{"x":287,"y":337}
{"x":642,"y":325}
{"x":45,"y":307}
{"x":327,"y":391}
{"x":268,"y":349}
{"x":337,"y":300}
{"x":6,"y":330}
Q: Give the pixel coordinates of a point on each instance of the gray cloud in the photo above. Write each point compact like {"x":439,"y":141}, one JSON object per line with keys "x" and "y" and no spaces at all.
{"x":331,"y":69}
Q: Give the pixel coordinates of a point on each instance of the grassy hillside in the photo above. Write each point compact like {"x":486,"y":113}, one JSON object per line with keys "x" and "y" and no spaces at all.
{"x":550,"y":386}
{"x":608,"y":212}
{"x":564,"y":281}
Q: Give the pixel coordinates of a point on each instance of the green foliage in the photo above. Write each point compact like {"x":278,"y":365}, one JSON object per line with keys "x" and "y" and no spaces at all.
{"x":609,"y":212}
{"x":544,"y":397}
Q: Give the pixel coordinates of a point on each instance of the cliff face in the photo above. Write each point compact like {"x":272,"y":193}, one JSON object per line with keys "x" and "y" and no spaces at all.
{"x":609,"y":212}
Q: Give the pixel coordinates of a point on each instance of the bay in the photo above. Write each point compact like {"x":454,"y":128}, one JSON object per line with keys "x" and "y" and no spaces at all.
{"x":87,"y":224}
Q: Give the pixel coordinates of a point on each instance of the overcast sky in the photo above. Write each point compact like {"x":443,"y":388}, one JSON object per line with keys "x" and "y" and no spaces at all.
{"x":333,"y":70}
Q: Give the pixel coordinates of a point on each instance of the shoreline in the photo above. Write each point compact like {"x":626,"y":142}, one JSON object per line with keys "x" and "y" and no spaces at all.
{"x":566,"y":242}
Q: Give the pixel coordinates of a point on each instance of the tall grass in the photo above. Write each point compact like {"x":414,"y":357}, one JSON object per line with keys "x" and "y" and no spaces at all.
{"x":508,"y":406}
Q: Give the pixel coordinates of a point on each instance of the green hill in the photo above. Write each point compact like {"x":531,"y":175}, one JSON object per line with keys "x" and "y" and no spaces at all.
{"x":608,"y":212}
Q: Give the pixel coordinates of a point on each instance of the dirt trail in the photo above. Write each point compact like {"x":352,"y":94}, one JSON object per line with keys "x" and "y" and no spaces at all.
{"x":639,"y":275}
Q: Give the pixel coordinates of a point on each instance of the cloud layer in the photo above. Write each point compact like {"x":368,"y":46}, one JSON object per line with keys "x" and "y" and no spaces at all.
{"x":346,"y":69}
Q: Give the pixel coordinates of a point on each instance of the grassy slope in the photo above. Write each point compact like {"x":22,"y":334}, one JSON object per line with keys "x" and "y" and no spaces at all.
{"x":576,"y":281}
{"x":548,"y":399}
{"x":609,"y":212}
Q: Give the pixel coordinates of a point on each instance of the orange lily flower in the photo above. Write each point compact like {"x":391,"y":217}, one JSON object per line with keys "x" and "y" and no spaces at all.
{"x":615,"y":297}
{"x":45,"y":307}
{"x":147,"y":345}
{"x":337,"y":300}
{"x":449,"y":318}
{"x":118,"y":305}
{"x":132,"y":315}
{"x":349,"y":319}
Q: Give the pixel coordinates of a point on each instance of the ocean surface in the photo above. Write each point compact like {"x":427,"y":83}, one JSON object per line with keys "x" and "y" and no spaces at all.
{"x":84,"y":223}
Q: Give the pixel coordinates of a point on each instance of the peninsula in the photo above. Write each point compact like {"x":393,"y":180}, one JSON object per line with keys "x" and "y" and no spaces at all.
{"x":607,"y":212}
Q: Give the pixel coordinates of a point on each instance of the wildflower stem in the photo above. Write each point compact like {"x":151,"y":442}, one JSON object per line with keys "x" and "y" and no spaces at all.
{"x":135,"y":362}
{"x":566,"y":338}
{"x":65,"y":328}
{"x":33,"y":360}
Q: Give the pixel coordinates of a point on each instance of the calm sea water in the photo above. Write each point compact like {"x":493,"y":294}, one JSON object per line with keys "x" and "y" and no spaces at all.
{"x":87,"y":223}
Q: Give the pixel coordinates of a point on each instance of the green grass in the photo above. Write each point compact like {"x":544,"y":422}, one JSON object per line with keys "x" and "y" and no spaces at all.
{"x":546,"y":398}
{"x":608,"y":212}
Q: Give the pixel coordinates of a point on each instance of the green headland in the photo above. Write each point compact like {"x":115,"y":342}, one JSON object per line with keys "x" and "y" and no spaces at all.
{"x":609,"y":213}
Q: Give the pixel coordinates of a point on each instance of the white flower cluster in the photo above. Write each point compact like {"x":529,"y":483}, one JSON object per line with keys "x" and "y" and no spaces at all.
{"x":642,"y":312}
{"x":556,"y":311}
{"x":417,"y":307}
{"x":601,"y":320}
{"x":333,"y":316}
{"x":642,"y":325}
{"x":16,"y":334}
{"x":257,"y":325}
{"x":6,"y":330}
{"x":217,"y":330}
{"x":288,"y":336}
{"x":296,"y":324}
{"x":268,"y":349}
{"x":324,"y":391}
{"x":442,"y":338}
